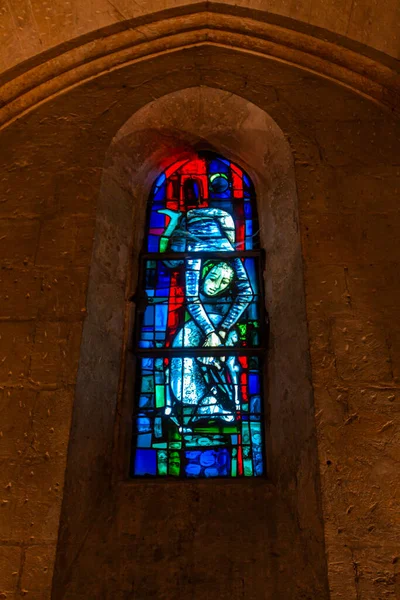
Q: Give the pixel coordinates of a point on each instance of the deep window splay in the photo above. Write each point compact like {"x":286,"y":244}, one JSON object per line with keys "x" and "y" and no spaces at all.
{"x":200,"y":326}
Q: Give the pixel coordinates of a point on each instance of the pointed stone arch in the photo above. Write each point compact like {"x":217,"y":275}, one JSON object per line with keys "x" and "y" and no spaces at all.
{"x":162,"y":131}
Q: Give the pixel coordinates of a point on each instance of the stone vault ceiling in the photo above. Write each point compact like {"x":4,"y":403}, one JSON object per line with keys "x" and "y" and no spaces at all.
{"x":29,"y":27}
{"x":49,"y":46}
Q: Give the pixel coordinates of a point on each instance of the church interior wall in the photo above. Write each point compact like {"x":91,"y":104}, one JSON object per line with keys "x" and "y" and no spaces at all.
{"x":330,"y":518}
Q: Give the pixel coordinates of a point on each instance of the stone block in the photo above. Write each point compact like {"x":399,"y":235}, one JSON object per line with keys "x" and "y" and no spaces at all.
{"x":375,"y":188}
{"x":65,"y":241}
{"x":346,"y":189}
{"x":42,"y":595}
{"x":321,"y":349}
{"x":383,"y":400}
{"x":36,"y":196}
{"x":332,"y":407}
{"x":318,"y":189}
{"x":374,"y":287}
{"x":38,"y":568}
{"x":379,"y":237}
{"x":16,"y":408}
{"x":84,"y":240}
{"x":350,"y":142}
{"x":376,"y":567}
{"x":20,"y":247}
{"x":326,"y":289}
{"x":32,"y":478}
{"x":332,"y":238}
{"x":74,"y":191}
{"x":55,"y":353}
{"x":57,"y":242}
{"x":361,"y":350}
{"x":20,"y":293}
{"x":15,"y":347}
{"x":358,"y":455}
{"x":10,"y":560}
{"x":63,"y":294}
{"x":29,"y":522}
{"x":51,"y":421}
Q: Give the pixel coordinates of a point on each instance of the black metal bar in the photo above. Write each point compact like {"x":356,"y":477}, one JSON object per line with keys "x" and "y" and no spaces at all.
{"x":145,"y":300}
{"x":191,"y":255}
{"x":264,"y":320}
{"x":194,"y":352}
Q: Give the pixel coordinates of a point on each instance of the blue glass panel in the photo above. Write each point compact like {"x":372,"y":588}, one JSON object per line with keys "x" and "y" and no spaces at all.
{"x":154,"y":243}
{"x":161,"y":293}
{"x":251,"y":272}
{"x":148,"y":363}
{"x":146,"y":462}
{"x":143,"y":424}
{"x":257,"y":447}
{"x":149,"y":316}
{"x":247,"y":210}
{"x":146,"y":344}
{"x":216,"y":201}
{"x":157,"y":220}
{"x":159,"y":181}
{"x":209,"y":463}
{"x":218,"y":166}
{"x":255,"y":404}
{"x":159,"y":196}
{"x":144,"y":440}
{"x":193,"y":469}
{"x":246,"y":180}
{"x":226,"y":194}
{"x":164,"y":277}
{"x":254,"y":384}
{"x":144,"y":402}
{"x":161,"y":316}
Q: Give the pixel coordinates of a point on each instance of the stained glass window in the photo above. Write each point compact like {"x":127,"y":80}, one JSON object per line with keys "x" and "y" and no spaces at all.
{"x":200,"y":326}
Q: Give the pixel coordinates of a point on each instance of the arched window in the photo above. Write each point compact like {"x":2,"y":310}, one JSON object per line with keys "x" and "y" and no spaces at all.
{"x":200,"y":326}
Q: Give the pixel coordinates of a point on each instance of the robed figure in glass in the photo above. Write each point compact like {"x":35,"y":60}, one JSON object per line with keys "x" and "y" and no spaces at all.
{"x":199,"y":407}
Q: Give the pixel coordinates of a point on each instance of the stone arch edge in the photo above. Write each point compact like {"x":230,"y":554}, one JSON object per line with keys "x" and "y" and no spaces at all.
{"x":203,"y":25}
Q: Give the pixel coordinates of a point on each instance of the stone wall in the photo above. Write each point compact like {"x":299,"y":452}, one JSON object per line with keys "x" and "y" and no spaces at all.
{"x":346,"y":155}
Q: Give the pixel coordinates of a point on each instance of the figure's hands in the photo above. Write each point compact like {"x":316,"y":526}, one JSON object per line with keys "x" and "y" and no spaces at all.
{"x":212,"y":340}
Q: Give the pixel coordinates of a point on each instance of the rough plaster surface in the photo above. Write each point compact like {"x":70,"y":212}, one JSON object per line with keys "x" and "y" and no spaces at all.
{"x":346,"y":153}
{"x":29,"y":27}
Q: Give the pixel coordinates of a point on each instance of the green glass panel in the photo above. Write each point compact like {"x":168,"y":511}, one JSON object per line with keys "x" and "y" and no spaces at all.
{"x":147,"y":384}
{"x":160,"y":396}
{"x":174,"y":464}
{"x":247,"y":462}
{"x":234,"y":463}
{"x":162,"y":462}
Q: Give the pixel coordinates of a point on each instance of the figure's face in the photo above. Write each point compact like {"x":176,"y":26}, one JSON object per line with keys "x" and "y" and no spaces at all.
{"x":218,"y":279}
